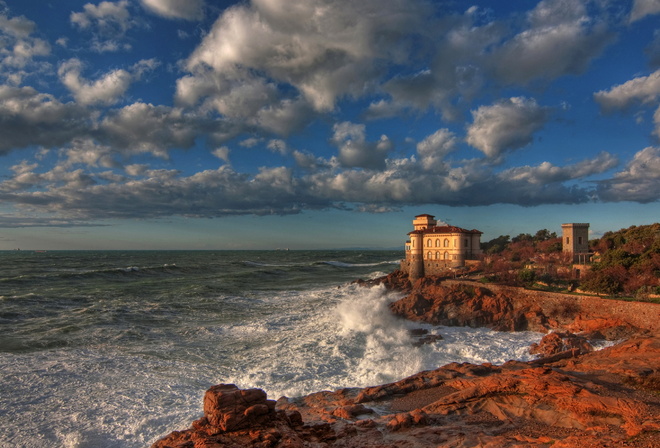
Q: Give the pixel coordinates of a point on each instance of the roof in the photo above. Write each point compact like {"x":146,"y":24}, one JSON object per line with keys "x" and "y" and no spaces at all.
{"x":424,"y":215}
{"x":444,"y":230}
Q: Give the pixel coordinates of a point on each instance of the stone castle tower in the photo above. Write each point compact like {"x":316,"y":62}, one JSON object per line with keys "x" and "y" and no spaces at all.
{"x":575,"y":240}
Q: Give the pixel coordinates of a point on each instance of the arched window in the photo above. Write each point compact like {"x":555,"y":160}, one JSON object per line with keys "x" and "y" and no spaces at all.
{"x":429,"y":243}
{"x":428,"y":255}
{"x":446,"y":242}
{"x":455,"y":242}
{"x":437,"y":255}
{"x":446,"y":255}
{"x":437,"y":242}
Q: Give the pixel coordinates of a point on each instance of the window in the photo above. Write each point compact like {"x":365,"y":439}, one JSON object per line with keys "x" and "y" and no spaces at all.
{"x":568,"y":240}
{"x":437,"y":255}
{"x":579,"y":240}
{"x":454,"y":242}
{"x":446,"y":242}
{"x":437,"y":242}
{"x":428,"y":255}
{"x":446,"y":256}
{"x":467,"y":243}
{"x":429,"y":243}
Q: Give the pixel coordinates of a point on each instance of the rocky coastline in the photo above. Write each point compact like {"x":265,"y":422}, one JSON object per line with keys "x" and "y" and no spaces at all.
{"x":570,"y":396}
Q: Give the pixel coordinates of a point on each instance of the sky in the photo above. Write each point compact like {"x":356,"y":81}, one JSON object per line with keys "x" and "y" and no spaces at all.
{"x":320,"y":124}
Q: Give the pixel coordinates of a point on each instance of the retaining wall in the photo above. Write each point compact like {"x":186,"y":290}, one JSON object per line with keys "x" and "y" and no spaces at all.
{"x":643,"y":315}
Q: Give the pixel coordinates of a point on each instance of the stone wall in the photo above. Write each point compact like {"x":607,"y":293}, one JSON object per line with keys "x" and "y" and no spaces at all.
{"x":639,"y":314}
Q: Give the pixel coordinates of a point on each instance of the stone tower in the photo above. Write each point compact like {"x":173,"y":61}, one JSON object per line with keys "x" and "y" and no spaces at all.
{"x":575,"y":240}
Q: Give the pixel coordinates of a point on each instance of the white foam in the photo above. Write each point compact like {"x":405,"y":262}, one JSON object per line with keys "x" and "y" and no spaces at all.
{"x":290,"y":343}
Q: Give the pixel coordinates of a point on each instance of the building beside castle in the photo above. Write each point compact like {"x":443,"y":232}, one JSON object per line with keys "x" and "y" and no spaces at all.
{"x":432,"y":249}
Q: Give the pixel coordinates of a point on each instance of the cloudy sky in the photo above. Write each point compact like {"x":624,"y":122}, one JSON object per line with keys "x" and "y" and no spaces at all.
{"x":212,"y":124}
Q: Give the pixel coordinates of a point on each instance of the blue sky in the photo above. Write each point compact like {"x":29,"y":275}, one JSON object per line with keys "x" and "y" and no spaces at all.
{"x":199,"y":124}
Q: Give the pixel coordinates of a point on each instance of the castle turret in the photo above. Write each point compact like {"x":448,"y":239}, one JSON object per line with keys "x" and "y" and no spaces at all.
{"x":575,"y":240}
{"x":416,"y":257}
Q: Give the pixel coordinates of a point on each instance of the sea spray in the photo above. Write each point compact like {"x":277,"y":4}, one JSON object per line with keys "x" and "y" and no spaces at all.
{"x":93,"y":354}
{"x":383,"y":339}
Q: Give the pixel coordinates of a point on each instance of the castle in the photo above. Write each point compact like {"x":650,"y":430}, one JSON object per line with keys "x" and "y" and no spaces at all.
{"x":432,"y":249}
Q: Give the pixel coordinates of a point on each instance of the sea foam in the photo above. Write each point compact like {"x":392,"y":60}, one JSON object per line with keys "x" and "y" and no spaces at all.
{"x":128,"y":392}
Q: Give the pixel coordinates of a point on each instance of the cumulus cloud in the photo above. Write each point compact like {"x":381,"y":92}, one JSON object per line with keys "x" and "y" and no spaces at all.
{"x":19,"y":49}
{"x":107,"y":22}
{"x":355,"y":151}
{"x":643,"y":89}
{"x":142,"y":127}
{"x":176,"y":9}
{"x":106,"y":90}
{"x":88,"y":152}
{"x":222,"y":153}
{"x":643,"y":8}
{"x":546,"y":172}
{"x":639,"y":181}
{"x":561,"y":39}
{"x":20,"y":27}
{"x":274,"y":63}
{"x":28,"y":117}
{"x":434,"y":148}
{"x":507,"y":125}
{"x":278,"y":146}
{"x":79,"y":194}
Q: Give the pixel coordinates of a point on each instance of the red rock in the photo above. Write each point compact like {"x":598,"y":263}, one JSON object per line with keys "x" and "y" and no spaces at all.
{"x":229,"y":408}
{"x":557,"y":342}
{"x":571,"y":397}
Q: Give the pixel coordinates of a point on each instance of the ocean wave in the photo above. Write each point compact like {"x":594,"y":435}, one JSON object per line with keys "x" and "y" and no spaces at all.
{"x":342,"y":264}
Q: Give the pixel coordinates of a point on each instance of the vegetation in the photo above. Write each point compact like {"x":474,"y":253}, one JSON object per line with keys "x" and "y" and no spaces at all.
{"x":627,"y":262}
{"x":524,"y":259}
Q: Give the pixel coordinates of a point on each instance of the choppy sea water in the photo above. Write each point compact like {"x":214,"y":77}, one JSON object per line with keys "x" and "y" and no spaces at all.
{"x":116,"y":349}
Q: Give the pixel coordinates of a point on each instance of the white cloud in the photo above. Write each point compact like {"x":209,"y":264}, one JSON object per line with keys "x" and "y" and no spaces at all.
{"x":278,"y":146}
{"x":561,"y":39}
{"x":19,"y":49}
{"x":546,"y":173}
{"x":639,"y":181}
{"x":108,"y":23}
{"x":19,"y":27}
{"x":142,"y":127}
{"x":106,"y":16}
{"x":434,"y":148}
{"x":507,"y":125}
{"x":644,"y":89}
{"x":104,"y":91}
{"x":643,"y":8}
{"x":28,"y":117}
{"x":176,"y":9}
{"x":222,"y":153}
{"x":87,"y":152}
{"x":355,"y":151}
{"x":324,"y":51}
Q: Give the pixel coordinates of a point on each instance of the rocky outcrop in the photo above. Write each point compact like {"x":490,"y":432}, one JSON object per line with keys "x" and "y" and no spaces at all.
{"x":447,"y":302}
{"x":608,"y":398}
{"x":432,"y":302}
{"x":559,"y":342}
{"x":571,"y":396}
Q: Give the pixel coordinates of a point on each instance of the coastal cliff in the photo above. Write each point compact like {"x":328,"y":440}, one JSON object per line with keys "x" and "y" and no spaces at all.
{"x":569,"y":397}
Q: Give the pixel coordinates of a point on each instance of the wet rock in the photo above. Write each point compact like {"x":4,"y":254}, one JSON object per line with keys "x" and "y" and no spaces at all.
{"x":557,"y":342}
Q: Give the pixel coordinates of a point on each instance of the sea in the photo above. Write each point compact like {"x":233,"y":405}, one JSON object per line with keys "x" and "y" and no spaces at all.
{"x":105,"y":349}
